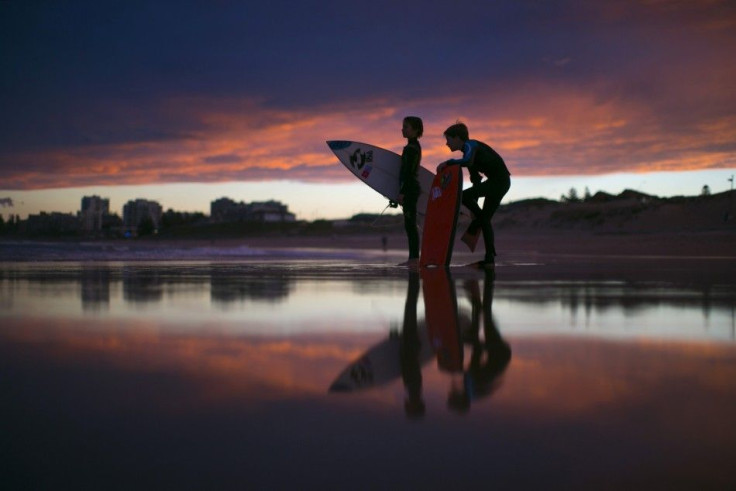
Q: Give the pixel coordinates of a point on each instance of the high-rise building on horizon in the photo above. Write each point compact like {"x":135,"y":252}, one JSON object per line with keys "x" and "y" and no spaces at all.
{"x":93,"y":212}
{"x":227,"y":210}
{"x":137,"y":212}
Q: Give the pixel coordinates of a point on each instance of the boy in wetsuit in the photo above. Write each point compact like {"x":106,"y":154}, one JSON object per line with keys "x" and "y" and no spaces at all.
{"x":409,"y":190}
{"x":479,"y":158}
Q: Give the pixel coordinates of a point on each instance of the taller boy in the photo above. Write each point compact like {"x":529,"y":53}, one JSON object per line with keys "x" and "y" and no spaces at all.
{"x":479,"y":158}
{"x":412,"y":129}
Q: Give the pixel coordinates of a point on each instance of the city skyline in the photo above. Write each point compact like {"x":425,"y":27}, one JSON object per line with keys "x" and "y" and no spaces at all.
{"x":237,"y":99}
{"x":577,"y":192}
{"x":100,"y":205}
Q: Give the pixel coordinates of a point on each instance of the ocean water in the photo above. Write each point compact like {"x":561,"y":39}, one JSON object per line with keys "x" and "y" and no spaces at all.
{"x":237,"y":367}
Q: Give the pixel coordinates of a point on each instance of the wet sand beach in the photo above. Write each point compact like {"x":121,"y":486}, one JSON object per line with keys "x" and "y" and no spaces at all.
{"x":584,"y":361}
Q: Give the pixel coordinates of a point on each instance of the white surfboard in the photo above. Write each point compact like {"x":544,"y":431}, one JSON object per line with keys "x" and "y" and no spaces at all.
{"x":379,"y":168}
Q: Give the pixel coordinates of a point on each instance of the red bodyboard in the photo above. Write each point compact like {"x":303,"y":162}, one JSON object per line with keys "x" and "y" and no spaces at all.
{"x":440,"y":219}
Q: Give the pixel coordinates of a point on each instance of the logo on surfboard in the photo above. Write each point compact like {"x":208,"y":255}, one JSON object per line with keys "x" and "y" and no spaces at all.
{"x":362,"y":372}
{"x":436,"y":191}
{"x":358,"y":159}
{"x":445,"y":180}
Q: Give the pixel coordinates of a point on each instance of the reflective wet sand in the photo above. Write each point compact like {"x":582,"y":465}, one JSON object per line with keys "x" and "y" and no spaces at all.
{"x":201,"y":374}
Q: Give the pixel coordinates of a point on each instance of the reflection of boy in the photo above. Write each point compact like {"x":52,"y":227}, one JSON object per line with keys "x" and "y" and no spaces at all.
{"x":489,"y":358}
{"x":410,"y":347}
{"x":479,"y":158}
{"x":411,"y":129}
{"x":484,"y":373}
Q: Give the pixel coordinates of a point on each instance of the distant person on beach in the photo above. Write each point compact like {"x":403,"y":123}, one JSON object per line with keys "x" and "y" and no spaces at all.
{"x":479,"y":158}
{"x":411,"y":129}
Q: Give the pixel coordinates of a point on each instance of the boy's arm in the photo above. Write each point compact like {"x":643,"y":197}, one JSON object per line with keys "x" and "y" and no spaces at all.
{"x":467,"y":158}
{"x":465,"y":161}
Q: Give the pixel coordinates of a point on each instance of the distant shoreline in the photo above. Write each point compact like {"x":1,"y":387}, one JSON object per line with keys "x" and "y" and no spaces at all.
{"x":704,"y":243}
{"x":603,"y":225}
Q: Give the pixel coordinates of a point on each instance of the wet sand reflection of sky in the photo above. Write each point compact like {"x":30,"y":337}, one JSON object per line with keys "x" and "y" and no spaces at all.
{"x":161,"y":379}
{"x":267,"y":303}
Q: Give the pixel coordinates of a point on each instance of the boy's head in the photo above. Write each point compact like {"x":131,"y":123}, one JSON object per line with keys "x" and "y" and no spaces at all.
{"x":456,"y":135}
{"x":416,"y":124}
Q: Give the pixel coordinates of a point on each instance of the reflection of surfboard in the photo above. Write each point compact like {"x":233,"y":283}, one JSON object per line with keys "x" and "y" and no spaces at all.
{"x":440,"y":310}
{"x":379,"y":168}
{"x":441,"y":218}
{"x":380,"y":365}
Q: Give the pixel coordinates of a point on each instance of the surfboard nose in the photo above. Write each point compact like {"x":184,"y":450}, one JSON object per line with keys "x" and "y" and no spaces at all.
{"x":338,"y":144}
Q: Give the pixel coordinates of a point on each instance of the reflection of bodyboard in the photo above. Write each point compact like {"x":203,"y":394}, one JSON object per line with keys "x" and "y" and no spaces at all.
{"x":379,"y":168}
{"x":441,"y":218}
{"x":380,"y":365}
{"x":440,"y":312}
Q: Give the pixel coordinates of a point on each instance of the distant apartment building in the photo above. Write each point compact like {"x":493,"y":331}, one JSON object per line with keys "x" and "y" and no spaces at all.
{"x":139,"y":212}
{"x":227,"y":210}
{"x":93,"y":214}
{"x":269,"y":211}
{"x":53,"y":223}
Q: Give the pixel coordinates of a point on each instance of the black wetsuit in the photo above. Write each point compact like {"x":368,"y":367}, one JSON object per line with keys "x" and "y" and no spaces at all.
{"x":480,"y":158}
{"x":409,"y":187}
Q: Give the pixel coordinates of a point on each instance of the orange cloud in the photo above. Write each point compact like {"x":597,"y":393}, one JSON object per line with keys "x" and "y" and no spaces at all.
{"x":240,"y":365}
{"x":540,"y":130}
{"x":546,"y":373}
{"x":617,"y":373}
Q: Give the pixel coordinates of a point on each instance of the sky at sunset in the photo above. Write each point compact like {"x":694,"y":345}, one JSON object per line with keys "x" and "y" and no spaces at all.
{"x":185,"y":102}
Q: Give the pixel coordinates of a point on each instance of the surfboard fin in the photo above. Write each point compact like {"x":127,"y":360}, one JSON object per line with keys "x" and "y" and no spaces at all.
{"x":471,"y":236}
